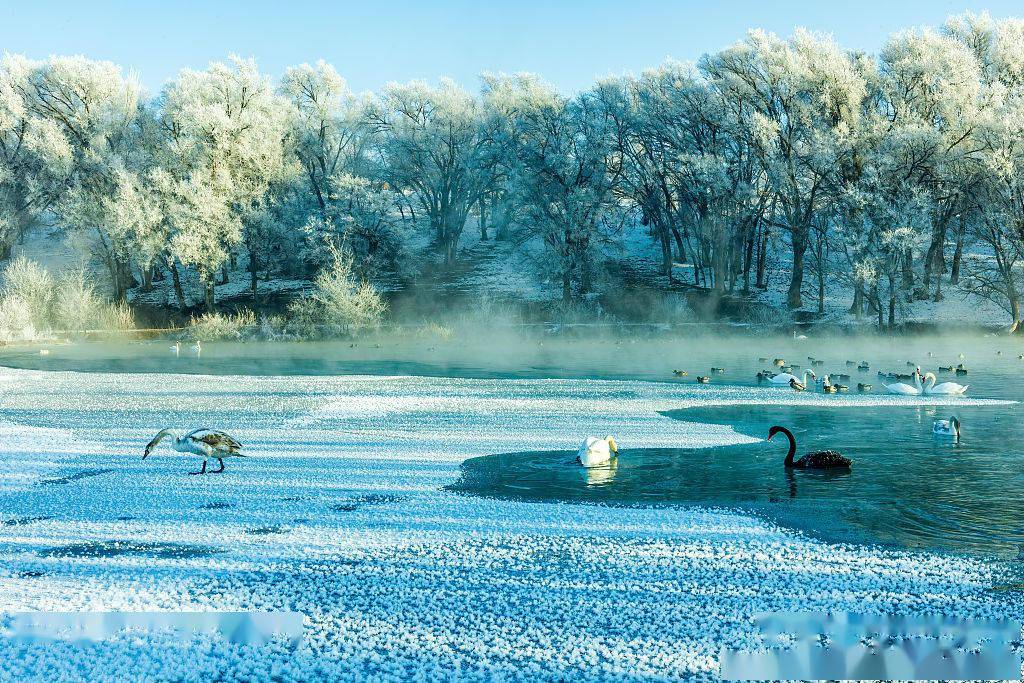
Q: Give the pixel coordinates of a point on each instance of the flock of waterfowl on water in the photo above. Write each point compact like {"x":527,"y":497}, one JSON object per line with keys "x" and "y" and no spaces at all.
{"x":923,"y":383}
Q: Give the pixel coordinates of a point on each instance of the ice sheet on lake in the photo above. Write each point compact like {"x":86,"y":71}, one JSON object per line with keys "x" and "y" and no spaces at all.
{"x":341,"y":514}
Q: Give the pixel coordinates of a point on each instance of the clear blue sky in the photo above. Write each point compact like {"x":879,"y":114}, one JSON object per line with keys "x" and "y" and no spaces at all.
{"x":569,"y":42}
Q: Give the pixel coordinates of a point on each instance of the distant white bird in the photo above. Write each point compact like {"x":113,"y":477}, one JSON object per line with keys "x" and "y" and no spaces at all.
{"x":595,"y":451}
{"x":944,"y":389}
{"x":197,"y":348}
{"x":206,"y":443}
{"x":950,"y":427}
{"x":176,"y":349}
{"x":784,"y":378}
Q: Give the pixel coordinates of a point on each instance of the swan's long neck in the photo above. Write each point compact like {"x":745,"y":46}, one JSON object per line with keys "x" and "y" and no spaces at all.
{"x":792,"y":446}
{"x":161,"y":435}
{"x":807,"y":373}
{"x":930,"y":378}
{"x":917,"y":382}
{"x":955,"y":424}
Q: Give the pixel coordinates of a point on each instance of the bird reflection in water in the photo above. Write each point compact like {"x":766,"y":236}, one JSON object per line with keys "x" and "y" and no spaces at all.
{"x":602,"y":475}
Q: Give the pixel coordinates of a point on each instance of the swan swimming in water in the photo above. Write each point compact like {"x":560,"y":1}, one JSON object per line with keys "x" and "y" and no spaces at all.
{"x":595,"y":451}
{"x":944,"y":389}
{"x":905,"y":389}
{"x":784,"y":378}
{"x":818,"y":460}
{"x":950,"y":427}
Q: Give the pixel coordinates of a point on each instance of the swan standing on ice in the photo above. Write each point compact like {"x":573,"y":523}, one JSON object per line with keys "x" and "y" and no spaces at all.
{"x":944,"y":389}
{"x":206,"y":443}
{"x":595,"y":451}
{"x":950,"y":427}
{"x":818,"y":460}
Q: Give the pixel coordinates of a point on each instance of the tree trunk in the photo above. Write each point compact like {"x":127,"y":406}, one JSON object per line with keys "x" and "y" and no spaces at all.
{"x":450,"y":249}
{"x":877,"y":299}
{"x":586,"y":279}
{"x":762,"y":260}
{"x":680,"y":245}
{"x":178,"y":291}
{"x":954,"y":275}
{"x":253,"y":275}
{"x":858,"y":299}
{"x":747,"y":261}
{"x":483,"y":219}
{"x":666,"y":254}
{"x":223,"y":275}
{"x":208,"y":297}
{"x":821,"y":291}
{"x":147,"y":278}
{"x":892,"y":306}
{"x":932,"y":257}
{"x":501,"y":219}
{"x":908,"y":270}
{"x":796,"y":281}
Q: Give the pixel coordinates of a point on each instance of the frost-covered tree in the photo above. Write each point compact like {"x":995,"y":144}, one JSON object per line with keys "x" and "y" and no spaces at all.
{"x":89,"y":110}
{"x":929,"y":95}
{"x":798,"y":102}
{"x":225,"y":131}
{"x":330,"y":133}
{"x":435,"y":145}
{"x":566,"y":172}
{"x":996,"y":207}
{"x":35,"y":157}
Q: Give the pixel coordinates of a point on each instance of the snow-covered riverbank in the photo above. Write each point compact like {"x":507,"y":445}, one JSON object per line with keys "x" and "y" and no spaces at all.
{"x":341,"y":514}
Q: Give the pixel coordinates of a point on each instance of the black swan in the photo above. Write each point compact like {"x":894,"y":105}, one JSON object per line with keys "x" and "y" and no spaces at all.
{"x":819,"y":460}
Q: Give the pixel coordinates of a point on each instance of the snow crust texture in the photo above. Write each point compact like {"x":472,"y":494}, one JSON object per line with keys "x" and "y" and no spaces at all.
{"x":341,"y":514}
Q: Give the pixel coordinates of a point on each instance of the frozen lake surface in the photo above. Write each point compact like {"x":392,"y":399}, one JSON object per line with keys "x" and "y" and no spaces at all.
{"x":344,"y":513}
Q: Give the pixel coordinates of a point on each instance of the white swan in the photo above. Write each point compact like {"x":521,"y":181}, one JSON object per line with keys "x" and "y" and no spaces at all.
{"x":950,"y":427}
{"x":176,"y":349}
{"x":944,"y":389}
{"x":784,"y":378}
{"x":595,"y":451}
{"x":906,"y":389}
{"x":198,"y":348}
